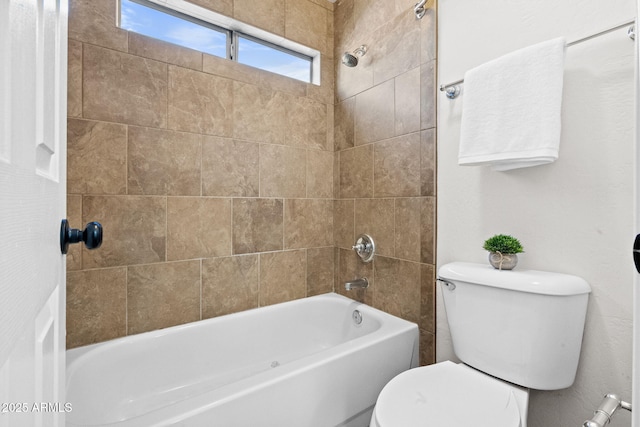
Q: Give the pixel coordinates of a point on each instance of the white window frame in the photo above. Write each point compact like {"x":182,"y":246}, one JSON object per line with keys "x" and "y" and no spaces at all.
{"x":236,"y":28}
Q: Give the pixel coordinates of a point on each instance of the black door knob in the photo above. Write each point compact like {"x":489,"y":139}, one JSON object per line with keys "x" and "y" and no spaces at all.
{"x":91,"y":236}
{"x":636,"y":252}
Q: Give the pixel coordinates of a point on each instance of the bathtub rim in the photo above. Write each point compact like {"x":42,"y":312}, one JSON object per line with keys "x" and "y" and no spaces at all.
{"x":390,"y":326}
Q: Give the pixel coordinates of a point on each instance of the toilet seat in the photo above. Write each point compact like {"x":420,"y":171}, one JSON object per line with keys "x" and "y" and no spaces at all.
{"x":448,"y":395}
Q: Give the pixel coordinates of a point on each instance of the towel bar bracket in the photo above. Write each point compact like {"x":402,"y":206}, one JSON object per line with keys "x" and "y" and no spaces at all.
{"x":452,"y":92}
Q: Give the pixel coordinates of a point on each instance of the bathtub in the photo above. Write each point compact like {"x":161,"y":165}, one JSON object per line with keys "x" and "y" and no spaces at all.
{"x":302,"y":363}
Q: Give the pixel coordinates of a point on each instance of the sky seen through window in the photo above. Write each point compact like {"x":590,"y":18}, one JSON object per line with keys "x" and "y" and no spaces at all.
{"x":183,"y":32}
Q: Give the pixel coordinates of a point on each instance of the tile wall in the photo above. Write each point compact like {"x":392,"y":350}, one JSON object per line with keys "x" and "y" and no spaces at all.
{"x":213,"y":180}
{"x":385,"y":165}
{"x":222,"y":188}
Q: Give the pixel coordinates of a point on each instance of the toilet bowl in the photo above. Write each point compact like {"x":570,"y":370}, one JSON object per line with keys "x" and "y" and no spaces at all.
{"x":450,"y":395}
{"x":513,"y":331}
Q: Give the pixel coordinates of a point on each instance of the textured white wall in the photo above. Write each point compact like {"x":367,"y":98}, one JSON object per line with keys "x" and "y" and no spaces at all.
{"x":574,"y":216}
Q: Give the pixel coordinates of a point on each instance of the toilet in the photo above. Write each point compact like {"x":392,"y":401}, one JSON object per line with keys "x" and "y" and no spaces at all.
{"x":512,"y":330}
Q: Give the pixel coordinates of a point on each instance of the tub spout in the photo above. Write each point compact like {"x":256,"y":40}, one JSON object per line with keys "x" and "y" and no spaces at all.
{"x":362,"y":283}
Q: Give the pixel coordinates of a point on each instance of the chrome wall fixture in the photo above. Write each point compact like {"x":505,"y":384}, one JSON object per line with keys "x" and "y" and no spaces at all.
{"x":365,"y":247}
{"x":362,"y":283}
{"x":420,"y":9}
{"x":350,"y":59}
{"x":602,"y":416}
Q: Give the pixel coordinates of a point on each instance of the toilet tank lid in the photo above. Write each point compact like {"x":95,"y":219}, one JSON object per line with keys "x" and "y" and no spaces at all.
{"x":532,"y":281}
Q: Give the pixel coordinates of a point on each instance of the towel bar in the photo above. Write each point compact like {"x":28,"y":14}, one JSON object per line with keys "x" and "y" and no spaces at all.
{"x":452,"y":90}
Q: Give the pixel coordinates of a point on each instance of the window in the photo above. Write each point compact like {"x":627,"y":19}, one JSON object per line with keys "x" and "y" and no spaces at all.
{"x":267,"y":56}
{"x":199,"y":29}
{"x":155,"y":21}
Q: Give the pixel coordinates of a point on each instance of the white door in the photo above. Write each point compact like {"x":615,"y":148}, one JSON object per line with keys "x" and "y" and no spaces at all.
{"x":635,"y":401}
{"x":33,"y":67}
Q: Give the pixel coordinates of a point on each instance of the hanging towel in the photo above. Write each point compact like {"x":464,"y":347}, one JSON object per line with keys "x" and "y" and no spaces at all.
{"x":511,"y":110}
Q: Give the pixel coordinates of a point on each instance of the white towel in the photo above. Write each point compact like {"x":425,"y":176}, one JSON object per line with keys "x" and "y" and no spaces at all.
{"x":511,"y":110}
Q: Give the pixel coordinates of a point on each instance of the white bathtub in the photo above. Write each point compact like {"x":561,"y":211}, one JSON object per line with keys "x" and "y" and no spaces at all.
{"x":297,"y":364}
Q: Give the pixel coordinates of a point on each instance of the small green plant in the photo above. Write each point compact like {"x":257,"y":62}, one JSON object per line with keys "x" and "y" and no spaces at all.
{"x":504,"y":244}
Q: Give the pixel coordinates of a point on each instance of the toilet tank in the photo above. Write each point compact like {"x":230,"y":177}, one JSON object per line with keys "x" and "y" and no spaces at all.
{"x":523,"y":326}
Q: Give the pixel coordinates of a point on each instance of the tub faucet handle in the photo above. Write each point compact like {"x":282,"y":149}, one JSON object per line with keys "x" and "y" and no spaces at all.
{"x":365,"y":247}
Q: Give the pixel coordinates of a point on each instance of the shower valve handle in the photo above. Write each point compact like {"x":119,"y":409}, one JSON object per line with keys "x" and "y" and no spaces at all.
{"x":91,"y":236}
{"x":365,"y":247}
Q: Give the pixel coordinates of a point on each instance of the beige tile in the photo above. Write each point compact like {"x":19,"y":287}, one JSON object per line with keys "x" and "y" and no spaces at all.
{"x":265,"y":14}
{"x":374,"y":114}
{"x":200,"y":102}
{"x":134,"y":230}
{"x":344,"y":124}
{"x":230,"y":168}
{"x":74,"y":79}
{"x":397,"y":45}
{"x":306,"y":123}
{"x":347,"y":37}
{"x":320,"y":270}
{"x":229,"y":285}
{"x":198,"y":227}
{"x":282,"y":277}
{"x":136,"y":88}
{"x":257,"y":225}
{"x":330,"y":145}
{"x":428,"y":36}
{"x":224,"y":7}
{"x":324,"y":93}
{"x":370,"y":15}
{"x":246,"y":74}
{"x":427,"y":348}
{"x":306,"y":23}
{"x":327,"y":5}
{"x":356,"y":172}
{"x":351,"y":267}
{"x":396,"y":170}
{"x":280,"y":83}
{"x":408,"y":228}
{"x":160,"y":50}
{"x":343,"y":21}
{"x":162,"y":295}
{"x":74,"y":216}
{"x":428,"y":97}
{"x":308,"y":223}
{"x":331,"y":31}
{"x":259,"y":114}
{"x":428,"y":156}
{"x":320,"y":174}
{"x":96,"y":157}
{"x":282,"y":171}
{"x":398,"y":287}
{"x":96,"y":306}
{"x":427,"y":298}
{"x":428,"y":230}
{"x":230,"y":69}
{"x":375,"y":218}
{"x":351,"y":81}
{"x":336,"y":174}
{"x":163,"y":162}
{"x":408,"y":94}
{"x":94,"y":22}
{"x":343,"y":223}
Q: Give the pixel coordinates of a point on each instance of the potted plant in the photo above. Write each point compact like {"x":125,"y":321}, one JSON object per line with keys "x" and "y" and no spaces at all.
{"x":502,"y":251}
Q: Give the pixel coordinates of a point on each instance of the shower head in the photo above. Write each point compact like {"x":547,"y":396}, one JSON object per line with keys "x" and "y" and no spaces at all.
{"x":351,"y":59}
